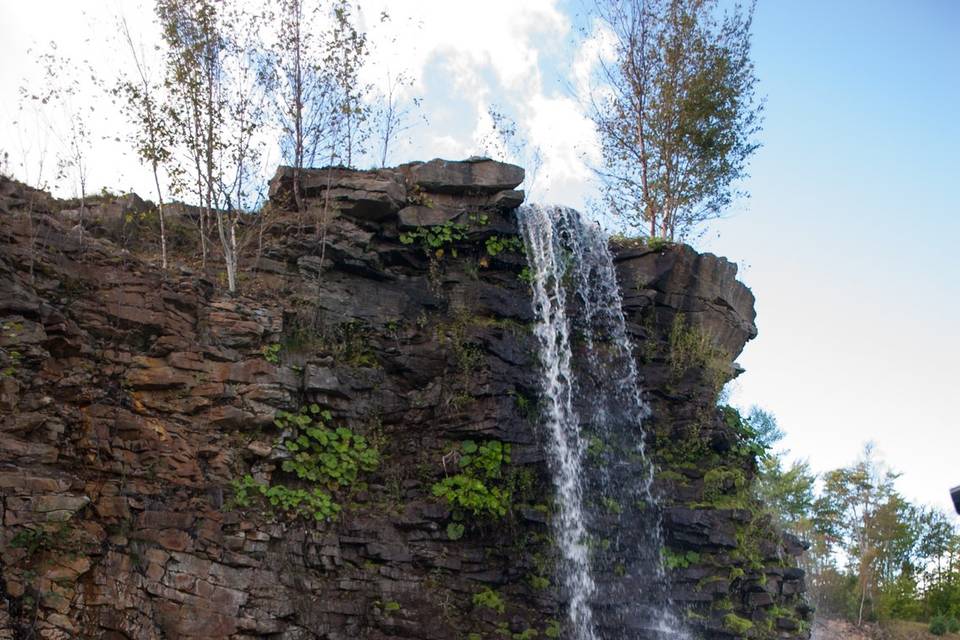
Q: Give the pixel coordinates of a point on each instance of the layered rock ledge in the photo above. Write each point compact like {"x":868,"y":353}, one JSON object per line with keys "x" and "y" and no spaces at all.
{"x":133,"y":400}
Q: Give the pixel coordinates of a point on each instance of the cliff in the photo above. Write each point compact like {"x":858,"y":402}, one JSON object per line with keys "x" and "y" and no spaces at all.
{"x":349,"y":447}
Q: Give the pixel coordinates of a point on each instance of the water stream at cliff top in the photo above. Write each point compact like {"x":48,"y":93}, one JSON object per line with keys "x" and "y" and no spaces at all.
{"x":607,"y":525}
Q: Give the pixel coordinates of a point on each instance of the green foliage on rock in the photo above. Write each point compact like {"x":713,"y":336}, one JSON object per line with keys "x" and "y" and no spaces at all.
{"x":734,"y":623}
{"x":481,"y":487}
{"x":271,"y":352}
{"x":327,"y":459}
{"x":679,"y":560}
{"x":693,"y":350}
{"x":316,"y":503}
{"x":323,"y":455}
{"x":487,"y":598}
{"x":436,"y":239}
{"x":499,"y":244}
{"x":723,"y":487}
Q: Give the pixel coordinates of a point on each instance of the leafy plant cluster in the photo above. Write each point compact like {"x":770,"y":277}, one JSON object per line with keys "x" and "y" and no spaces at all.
{"x":315,"y":503}
{"x":527,"y":276}
{"x":499,"y":244}
{"x":435,"y":239}
{"x":38,"y":539}
{"x":321,"y":454}
{"x":677,"y":560}
{"x":724,"y":487}
{"x":271,"y":352}
{"x":750,"y":440}
{"x":328,"y":459}
{"x":480,"y":487}
{"x":736,"y":624}
{"x":487,"y":598}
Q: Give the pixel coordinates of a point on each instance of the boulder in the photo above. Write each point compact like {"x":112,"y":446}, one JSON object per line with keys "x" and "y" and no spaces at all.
{"x":365,"y":195}
{"x":475,"y":175}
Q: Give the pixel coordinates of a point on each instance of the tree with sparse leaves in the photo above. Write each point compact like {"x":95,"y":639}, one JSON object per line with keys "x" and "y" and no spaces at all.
{"x":676,"y":112}
{"x":152,"y":138}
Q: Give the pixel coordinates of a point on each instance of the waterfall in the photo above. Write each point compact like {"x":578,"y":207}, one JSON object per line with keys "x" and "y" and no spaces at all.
{"x":607,"y":526}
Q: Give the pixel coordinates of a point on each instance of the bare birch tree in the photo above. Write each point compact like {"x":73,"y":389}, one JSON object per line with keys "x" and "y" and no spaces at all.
{"x":65,"y":113}
{"x":194,"y":51}
{"x":152,"y":136}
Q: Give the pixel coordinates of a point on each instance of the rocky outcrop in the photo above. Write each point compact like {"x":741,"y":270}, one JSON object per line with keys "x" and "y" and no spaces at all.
{"x":134,"y":405}
{"x":731,"y":569}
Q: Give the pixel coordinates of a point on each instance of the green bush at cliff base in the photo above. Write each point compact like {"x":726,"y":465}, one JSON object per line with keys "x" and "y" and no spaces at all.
{"x":938,"y":625}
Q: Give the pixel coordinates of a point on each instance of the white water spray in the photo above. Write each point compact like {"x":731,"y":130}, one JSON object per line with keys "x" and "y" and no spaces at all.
{"x":608,"y":530}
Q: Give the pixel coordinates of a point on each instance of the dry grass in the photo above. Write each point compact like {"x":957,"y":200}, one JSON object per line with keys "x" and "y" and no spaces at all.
{"x":895,"y":630}
{"x":902,"y":630}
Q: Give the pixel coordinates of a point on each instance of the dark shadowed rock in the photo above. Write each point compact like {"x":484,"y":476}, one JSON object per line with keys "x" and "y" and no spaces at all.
{"x":703,"y":287}
{"x":366,"y":195}
{"x":422,"y":216}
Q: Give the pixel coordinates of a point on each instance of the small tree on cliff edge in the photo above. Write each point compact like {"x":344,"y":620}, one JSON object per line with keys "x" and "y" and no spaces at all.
{"x":678,"y":113}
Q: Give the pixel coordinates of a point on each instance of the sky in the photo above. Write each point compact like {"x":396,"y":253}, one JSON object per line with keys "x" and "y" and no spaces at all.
{"x":848,"y":240}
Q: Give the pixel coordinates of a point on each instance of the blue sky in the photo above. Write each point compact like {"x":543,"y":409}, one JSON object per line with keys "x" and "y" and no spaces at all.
{"x":850,"y":236}
{"x":848,"y":240}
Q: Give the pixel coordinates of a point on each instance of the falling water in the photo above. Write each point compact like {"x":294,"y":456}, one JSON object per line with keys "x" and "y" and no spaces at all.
{"x":607,"y":524}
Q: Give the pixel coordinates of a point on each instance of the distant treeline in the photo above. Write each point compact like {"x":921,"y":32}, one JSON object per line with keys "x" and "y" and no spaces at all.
{"x":873,"y":555}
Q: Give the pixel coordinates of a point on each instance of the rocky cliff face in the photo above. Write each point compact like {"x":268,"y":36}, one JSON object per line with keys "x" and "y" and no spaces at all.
{"x":349,"y":448}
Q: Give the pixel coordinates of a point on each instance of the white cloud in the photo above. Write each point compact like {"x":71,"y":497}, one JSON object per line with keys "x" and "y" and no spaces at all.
{"x":461,"y":58}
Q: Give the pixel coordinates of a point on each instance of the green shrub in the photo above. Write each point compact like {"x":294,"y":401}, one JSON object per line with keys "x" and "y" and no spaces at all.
{"x":435,"y":239}
{"x":538,"y":583}
{"x":498,"y":244}
{"x":736,"y":624}
{"x":480,"y":486}
{"x":553,"y":629}
{"x":323,"y":455}
{"x":675,"y":560}
{"x":489,"y":599}
{"x":472,"y":494}
{"x":938,"y":625}
{"x":748,"y":441}
{"x":953,"y":625}
{"x":526,"y":276}
{"x":455,"y":530}
{"x":325,"y":458}
{"x":720,"y":483}
{"x":656,"y":243}
{"x":486,"y":458}
{"x":271,"y":353}
{"x":691,"y":349}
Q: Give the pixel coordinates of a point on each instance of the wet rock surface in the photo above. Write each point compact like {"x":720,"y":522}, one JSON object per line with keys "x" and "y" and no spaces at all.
{"x":132,"y":400}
